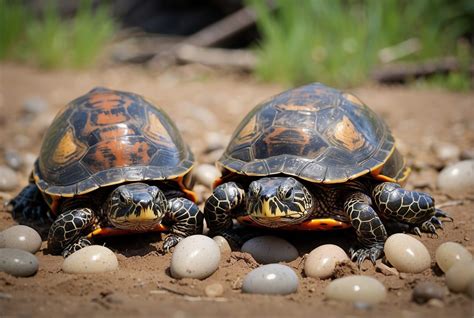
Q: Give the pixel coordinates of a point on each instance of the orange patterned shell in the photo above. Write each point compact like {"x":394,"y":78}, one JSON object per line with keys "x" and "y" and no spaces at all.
{"x":108,"y":137}
{"x":316,"y":133}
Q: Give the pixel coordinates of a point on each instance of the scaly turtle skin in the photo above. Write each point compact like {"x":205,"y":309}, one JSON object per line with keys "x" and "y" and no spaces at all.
{"x":110,"y":163}
{"x":313,"y":158}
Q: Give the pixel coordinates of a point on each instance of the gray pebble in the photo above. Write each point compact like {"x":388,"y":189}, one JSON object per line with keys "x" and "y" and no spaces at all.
{"x":18,"y":262}
{"x":13,"y":159}
{"x":35,"y":105}
{"x":8,"y":179}
{"x":21,"y":237}
{"x":447,"y":152}
{"x":275,"y":279}
{"x":268,"y":249}
{"x":205,"y":174}
{"x":424,"y":291}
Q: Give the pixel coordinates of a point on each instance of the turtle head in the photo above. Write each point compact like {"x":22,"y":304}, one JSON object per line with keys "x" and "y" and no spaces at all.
{"x":278,"y":201}
{"x":136,"y":206}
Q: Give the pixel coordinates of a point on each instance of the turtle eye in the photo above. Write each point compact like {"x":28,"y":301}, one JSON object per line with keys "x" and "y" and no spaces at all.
{"x":254,"y":189}
{"x":124,"y":197}
{"x":285,"y":193}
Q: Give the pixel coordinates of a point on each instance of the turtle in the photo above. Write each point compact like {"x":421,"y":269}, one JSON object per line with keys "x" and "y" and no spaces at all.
{"x":315,"y":158}
{"x":110,"y":163}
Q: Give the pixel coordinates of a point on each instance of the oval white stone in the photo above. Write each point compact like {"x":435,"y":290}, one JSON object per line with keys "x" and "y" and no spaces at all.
{"x":196,"y":256}
{"x":206,"y":174}
{"x":460,"y":275}
{"x":356,"y":288}
{"x":321,"y":262}
{"x":270,"y":249}
{"x":21,"y":237}
{"x":407,"y":254}
{"x":18,"y":262}
{"x":91,"y":259}
{"x":457,"y":178}
{"x":274,"y":279}
{"x":449,"y":253}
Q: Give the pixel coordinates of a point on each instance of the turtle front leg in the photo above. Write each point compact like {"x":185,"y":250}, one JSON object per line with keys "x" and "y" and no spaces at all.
{"x":371,"y":233}
{"x":67,"y":234}
{"x":186,"y":220}
{"x":218,"y":209}
{"x":410,"y":207}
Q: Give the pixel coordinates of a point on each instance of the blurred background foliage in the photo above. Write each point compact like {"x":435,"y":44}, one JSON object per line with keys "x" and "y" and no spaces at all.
{"x":339,"y":42}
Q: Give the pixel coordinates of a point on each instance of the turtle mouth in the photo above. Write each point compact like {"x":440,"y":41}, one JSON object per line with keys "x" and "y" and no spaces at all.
{"x":146,"y":219}
{"x":275,"y":221}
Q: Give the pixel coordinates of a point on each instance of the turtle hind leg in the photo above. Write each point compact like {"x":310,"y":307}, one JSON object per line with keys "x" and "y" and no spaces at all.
{"x":417,"y":209}
{"x":371,"y":233}
{"x":29,"y":208}
{"x":68,"y":232}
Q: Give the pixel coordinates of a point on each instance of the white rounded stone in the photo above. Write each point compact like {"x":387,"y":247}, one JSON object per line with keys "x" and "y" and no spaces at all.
{"x":90,"y":259}
{"x":357,"y":289}
{"x":274,"y":279}
{"x":223,"y":244}
{"x":270,"y":249}
{"x":196,"y":256}
{"x":322,"y":261}
{"x":8,"y":179}
{"x":449,"y":253}
{"x":460,"y":275}
{"x":406,"y":253}
{"x":17,"y":262}
{"x":205,"y":174}
{"x":214,"y":290}
{"x":457,"y":178}
{"x":21,"y":237}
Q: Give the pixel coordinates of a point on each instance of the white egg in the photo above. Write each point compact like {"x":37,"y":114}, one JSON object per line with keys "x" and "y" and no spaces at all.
{"x":322,"y":261}
{"x":21,"y":237}
{"x":357,"y":289}
{"x":196,"y":256}
{"x":449,"y":253}
{"x":457,"y":178}
{"x":407,"y":254}
{"x":270,"y":249}
{"x":273,"y":279}
{"x":91,"y":259}
{"x":205,"y":174}
{"x":460,"y":275}
{"x":223,"y":244}
{"x":18,"y":262}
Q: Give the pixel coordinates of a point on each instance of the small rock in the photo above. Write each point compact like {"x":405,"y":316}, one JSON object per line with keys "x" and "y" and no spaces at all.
{"x":206,"y":174}
{"x":467,"y":154}
{"x":196,"y":256}
{"x":448,"y":253}
{"x":406,"y":253}
{"x":460,"y":275}
{"x":271,"y":279}
{"x":447,"y":152}
{"x":437,"y":303}
{"x":321,"y":262}
{"x":214,"y":290}
{"x":13,"y":159}
{"x":5,"y":296}
{"x":90,"y":259}
{"x":223,"y":244}
{"x":21,"y":237}
{"x":8,"y":179}
{"x":386,"y":270}
{"x":35,"y":105}
{"x":424,"y":291}
{"x":356,"y":288}
{"x":457,"y":178}
{"x":270,"y":249}
{"x":470,"y":289}
{"x":18,"y":262}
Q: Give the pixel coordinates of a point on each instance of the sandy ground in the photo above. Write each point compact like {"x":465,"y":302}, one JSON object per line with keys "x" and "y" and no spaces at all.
{"x":207,"y":105}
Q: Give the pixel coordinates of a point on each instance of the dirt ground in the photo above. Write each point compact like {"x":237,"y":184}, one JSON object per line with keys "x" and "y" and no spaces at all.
{"x":207,"y":105}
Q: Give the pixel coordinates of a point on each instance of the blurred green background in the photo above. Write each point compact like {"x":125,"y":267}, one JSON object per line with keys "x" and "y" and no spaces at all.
{"x":338,"y":42}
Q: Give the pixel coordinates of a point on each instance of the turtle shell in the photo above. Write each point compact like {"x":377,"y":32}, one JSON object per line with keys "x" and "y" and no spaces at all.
{"x":316,"y":133}
{"x":109,"y":137}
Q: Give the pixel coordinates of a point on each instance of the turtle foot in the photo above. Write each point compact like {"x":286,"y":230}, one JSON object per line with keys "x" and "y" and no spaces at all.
{"x":170,"y":241}
{"x":358,"y":255}
{"x":81,"y":243}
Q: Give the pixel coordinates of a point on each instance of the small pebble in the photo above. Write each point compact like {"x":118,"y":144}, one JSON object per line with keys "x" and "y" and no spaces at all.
{"x":270,"y":249}
{"x":8,"y":179}
{"x":35,"y":105}
{"x":322,"y":261}
{"x":271,"y":279}
{"x":385,"y":269}
{"x":196,"y":256}
{"x":214,"y":290}
{"x":447,"y":152}
{"x":457,"y":178}
{"x":18,"y":262}
{"x":223,"y":244}
{"x":206,"y":174}
{"x":21,"y":237}
{"x":467,"y":154}
{"x":459,"y":276}
{"x":470,"y":289}
{"x":356,"y":288}
{"x":437,"y":303}
{"x":406,"y":253}
{"x":13,"y":159}
{"x":424,"y":291}
{"x":90,"y":259}
{"x":447,"y":254}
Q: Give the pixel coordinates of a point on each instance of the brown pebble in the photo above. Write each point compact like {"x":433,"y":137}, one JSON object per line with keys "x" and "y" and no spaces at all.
{"x":214,"y":290}
{"x":435,"y":303}
{"x":425,"y":291}
{"x":386,"y":270}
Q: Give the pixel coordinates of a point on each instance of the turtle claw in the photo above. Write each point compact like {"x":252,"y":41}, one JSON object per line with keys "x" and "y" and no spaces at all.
{"x":417,"y":231}
{"x":441,"y":214}
{"x":81,"y":243}
{"x":361,"y":254}
{"x":171,"y":241}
